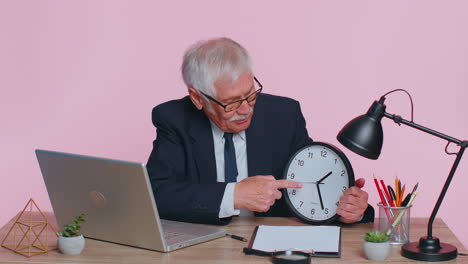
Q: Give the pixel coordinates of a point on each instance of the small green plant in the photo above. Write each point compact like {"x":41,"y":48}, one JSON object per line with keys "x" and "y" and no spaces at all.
{"x":376,"y":237}
{"x":74,"y":229}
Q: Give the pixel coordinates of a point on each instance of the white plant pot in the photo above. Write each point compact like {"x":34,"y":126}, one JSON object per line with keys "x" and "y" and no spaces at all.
{"x":376,"y":251}
{"x":71,"y":245}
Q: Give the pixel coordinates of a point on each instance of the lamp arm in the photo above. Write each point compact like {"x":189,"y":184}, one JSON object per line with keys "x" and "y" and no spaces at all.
{"x":399,"y":119}
{"x":444,"y":190}
{"x":462,"y":144}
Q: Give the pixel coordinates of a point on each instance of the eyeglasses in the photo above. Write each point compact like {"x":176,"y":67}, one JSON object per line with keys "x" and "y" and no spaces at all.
{"x":235,"y":105}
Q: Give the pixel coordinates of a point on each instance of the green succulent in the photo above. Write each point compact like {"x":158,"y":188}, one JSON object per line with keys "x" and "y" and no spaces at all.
{"x":74,"y":229}
{"x":376,"y":236}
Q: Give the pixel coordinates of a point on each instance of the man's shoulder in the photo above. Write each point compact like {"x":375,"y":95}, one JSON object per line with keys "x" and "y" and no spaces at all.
{"x":269,"y":98}
{"x":175,"y":106}
{"x":177,"y":110}
{"x":277,"y":103}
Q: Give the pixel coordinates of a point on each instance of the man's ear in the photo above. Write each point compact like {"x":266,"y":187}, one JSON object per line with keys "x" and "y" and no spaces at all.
{"x":196,"y":99}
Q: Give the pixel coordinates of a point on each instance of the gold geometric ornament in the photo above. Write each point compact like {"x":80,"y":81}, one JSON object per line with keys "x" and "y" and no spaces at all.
{"x":29,"y":235}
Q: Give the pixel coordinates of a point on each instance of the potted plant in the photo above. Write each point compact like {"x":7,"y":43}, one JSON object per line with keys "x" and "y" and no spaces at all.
{"x":376,"y":245}
{"x":71,"y":241}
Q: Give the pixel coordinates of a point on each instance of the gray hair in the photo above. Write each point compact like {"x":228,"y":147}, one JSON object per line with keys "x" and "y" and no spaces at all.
{"x":207,"y":61}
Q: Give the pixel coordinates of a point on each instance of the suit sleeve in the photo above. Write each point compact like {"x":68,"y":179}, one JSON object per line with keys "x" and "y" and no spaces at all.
{"x":368,"y":216}
{"x":178,"y":193}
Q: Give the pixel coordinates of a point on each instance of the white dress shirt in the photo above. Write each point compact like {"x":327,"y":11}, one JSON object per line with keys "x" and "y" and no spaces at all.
{"x":240,"y":144}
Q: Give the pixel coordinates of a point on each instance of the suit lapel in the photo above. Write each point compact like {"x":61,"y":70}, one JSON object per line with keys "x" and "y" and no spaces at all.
{"x":203,"y":147}
{"x":259,"y":146}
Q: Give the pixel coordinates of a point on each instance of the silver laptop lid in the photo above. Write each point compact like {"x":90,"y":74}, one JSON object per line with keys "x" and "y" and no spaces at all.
{"x":116,"y":196}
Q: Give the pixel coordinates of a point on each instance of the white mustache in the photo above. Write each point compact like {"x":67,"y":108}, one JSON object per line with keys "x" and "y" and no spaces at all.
{"x":241,"y":117}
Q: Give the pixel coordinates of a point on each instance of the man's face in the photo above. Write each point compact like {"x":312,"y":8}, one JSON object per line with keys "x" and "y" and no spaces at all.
{"x":227,"y":92}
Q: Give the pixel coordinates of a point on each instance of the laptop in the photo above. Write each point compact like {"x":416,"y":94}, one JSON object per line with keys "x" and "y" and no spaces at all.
{"x":118,"y":200}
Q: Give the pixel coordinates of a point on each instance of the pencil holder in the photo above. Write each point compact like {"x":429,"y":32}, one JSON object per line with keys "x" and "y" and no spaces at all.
{"x":395,"y":221}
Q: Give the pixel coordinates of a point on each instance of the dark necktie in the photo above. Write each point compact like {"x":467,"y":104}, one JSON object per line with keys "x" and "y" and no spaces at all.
{"x":230,"y":165}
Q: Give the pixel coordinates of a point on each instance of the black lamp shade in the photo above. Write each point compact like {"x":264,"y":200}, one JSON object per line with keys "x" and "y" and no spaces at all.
{"x":363,"y":135}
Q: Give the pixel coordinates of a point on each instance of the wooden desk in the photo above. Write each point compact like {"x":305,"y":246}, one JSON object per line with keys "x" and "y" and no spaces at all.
{"x":227,"y":250}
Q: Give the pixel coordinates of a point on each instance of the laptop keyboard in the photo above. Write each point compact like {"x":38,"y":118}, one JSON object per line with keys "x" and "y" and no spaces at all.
{"x":172,"y":234}
{"x":177,"y":232}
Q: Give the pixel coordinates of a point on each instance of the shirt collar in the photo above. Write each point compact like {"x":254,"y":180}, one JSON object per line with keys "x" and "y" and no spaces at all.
{"x":219,"y":134}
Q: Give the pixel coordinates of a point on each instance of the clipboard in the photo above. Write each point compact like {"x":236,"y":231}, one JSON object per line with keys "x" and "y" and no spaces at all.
{"x":267,"y":240}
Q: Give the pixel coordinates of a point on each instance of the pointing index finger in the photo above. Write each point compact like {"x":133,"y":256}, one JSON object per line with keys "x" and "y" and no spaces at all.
{"x":281,"y":184}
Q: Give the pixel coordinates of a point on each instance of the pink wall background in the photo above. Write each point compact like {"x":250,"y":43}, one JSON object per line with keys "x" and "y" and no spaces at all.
{"x":83,"y":76}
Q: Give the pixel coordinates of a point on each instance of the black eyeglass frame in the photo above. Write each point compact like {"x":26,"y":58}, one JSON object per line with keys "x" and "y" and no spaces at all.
{"x":257,"y":92}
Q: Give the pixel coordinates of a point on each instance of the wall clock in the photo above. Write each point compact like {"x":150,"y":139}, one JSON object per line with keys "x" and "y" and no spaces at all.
{"x":325,"y":173}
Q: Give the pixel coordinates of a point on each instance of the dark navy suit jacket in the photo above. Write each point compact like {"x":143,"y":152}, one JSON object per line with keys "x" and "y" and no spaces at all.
{"x":182,"y":166}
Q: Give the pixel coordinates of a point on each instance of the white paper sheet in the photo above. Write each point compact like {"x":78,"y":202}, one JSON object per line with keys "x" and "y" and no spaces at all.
{"x":278,"y":238}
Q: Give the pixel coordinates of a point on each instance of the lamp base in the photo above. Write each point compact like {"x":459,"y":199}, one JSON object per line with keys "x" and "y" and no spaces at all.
{"x":429,"y":250}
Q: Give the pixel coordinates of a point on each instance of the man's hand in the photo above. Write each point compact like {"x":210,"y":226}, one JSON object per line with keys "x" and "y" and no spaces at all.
{"x":353,"y":203}
{"x":258,"y":193}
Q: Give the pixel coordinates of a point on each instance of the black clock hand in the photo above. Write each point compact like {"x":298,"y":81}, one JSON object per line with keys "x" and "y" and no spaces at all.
{"x":324,"y":177}
{"x":320,"y":196}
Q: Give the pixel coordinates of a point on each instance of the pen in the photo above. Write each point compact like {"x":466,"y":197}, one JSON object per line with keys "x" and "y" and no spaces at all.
{"x":389,"y":198}
{"x":408,"y":196}
{"x":406,"y":200}
{"x":397,"y":190}
{"x":236,"y":237}
{"x":392,"y":193}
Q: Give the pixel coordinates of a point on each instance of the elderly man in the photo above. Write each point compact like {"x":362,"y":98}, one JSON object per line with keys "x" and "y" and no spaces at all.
{"x":223,"y":148}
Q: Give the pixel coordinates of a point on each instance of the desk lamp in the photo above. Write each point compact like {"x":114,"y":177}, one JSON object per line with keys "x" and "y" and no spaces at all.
{"x":364,"y":136}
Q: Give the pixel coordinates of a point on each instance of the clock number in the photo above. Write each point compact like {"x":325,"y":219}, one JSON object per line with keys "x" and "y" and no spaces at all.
{"x":312,"y":212}
{"x":343,"y":172}
{"x":311,"y":154}
{"x":336,"y":160}
{"x":326,"y":210}
{"x":300,"y":163}
{"x":302,"y":202}
{"x":344,"y":188}
{"x":337,"y":203}
{"x":293,"y":192}
{"x":292,"y":176}
{"x":323,"y":153}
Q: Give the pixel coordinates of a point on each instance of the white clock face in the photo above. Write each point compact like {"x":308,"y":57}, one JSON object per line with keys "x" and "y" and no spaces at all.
{"x":325,"y":175}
